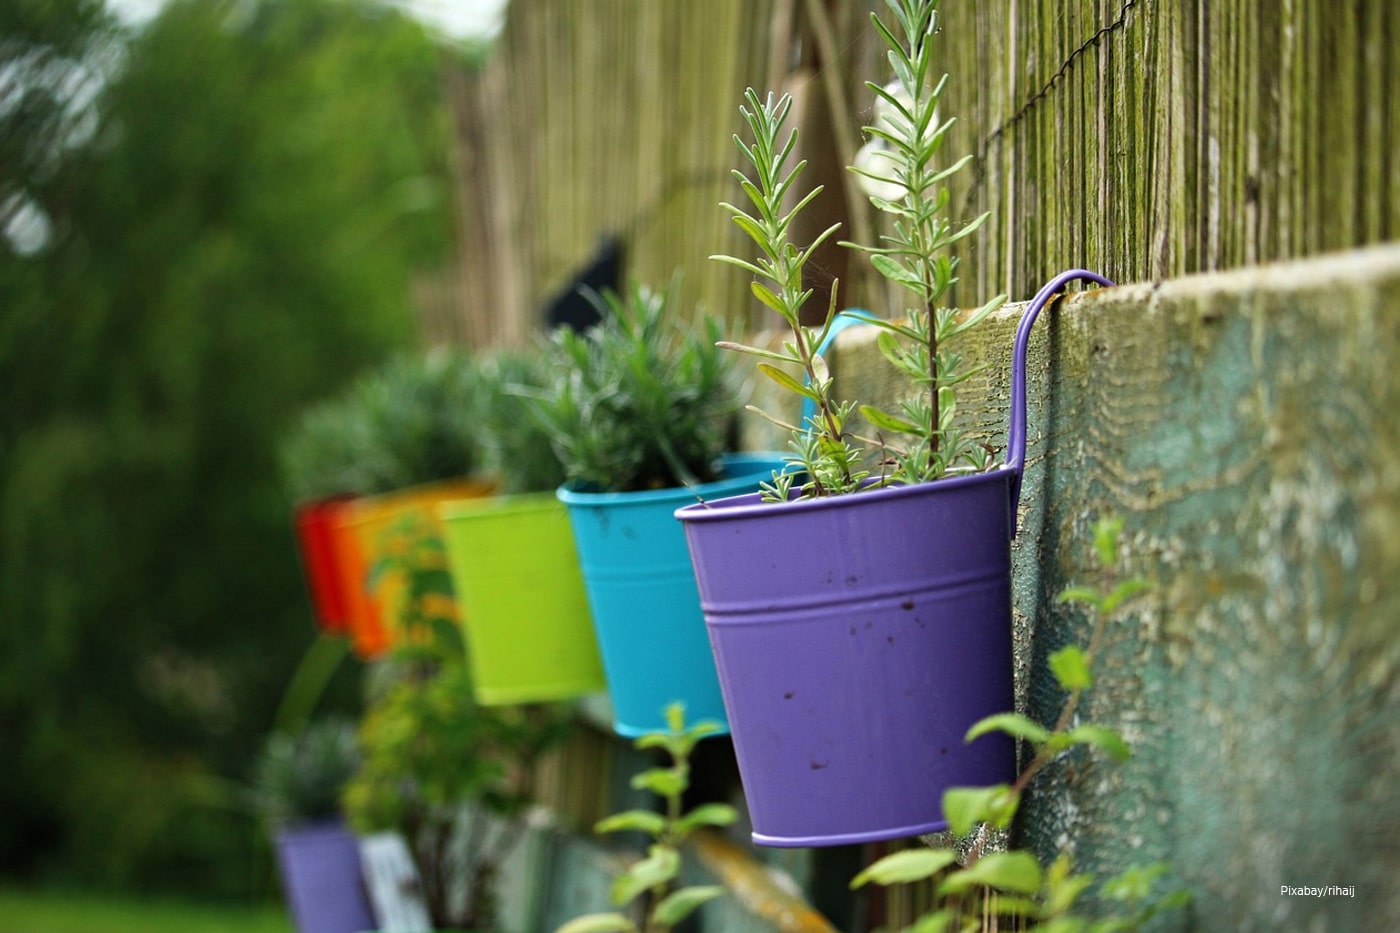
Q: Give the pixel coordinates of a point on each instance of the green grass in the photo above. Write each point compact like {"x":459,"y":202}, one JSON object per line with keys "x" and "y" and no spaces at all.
{"x":49,"y":911}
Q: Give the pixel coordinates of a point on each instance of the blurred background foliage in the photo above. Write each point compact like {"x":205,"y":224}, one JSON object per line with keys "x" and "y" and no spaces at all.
{"x":208,"y":224}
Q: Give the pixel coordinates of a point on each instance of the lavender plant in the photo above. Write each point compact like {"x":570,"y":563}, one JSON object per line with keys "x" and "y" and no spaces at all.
{"x":642,"y":400}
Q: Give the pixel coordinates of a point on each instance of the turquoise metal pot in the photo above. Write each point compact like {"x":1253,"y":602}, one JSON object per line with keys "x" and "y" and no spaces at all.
{"x":643,"y":598}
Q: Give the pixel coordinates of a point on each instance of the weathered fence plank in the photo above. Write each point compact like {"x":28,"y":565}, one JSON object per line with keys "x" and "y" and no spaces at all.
{"x":593,"y":120}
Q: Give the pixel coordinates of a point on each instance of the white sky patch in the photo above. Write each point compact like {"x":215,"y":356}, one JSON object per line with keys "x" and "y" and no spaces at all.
{"x":457,"y":19}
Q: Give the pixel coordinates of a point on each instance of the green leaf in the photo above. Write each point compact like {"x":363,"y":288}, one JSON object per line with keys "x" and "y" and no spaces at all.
{"x":653,"y":740}
{"x":1068,"y":924}
{"x":750,"y":226}
{"x":705,"y":728}
{"x":975,"y":318}
{"x":947,"y":405}
{"x":1009,"y":905}
{"x":940,"y":921}
{"x":599,"y":923}
{"x":1017,"y":872}
{"x":736,"y":261}
{"x":965,"y":807}
{"x":1062,"y":886}
{"x":787,"y":381}
{"x":1106,"y":532}
{"x":765,"y":294}
{"x":1013,"y":724}
{"x":1174,"y":900}
{"x":707,"y":814}
{"x":812,"y":247}
{"x":1134,"y":883}
{"x":906,"y":866}
{"x":1101,"y":737}
{"x":1080,"y":594}
{"x":966,"y":229}
{"x":888,"y":422}
{"x":893,"y":351}
{"x":661,"y":866}
{"x":758,"y":351}
{"x":378,"y":571}
{"x":1123,"y":593}
{"x":678,"y":905}
{"x":663,"y":782}
{"x":896,"y":272}
{"x":1071,"y":668}
{"x":653,"y":824}
{"x":678,"y":740}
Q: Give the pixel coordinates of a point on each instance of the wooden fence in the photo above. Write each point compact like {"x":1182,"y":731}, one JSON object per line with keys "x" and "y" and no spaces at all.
{"x":1142,"y":138}
{"x":597,"y":120}
{"x":1156,"y":138}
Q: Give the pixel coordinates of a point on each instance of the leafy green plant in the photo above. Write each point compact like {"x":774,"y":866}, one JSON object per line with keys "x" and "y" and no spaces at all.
{"x":1014,"y":882}
{"x":299,"y":777}
{"x":519,"y":450}
{"x":653,"y":877}
{"x":643,"y":399}
{"x":332,"y":452}
{"x":448,"y":774}
{"x":920,"y":441}
{"x":425,"y":409}
{"x":414,"y":420}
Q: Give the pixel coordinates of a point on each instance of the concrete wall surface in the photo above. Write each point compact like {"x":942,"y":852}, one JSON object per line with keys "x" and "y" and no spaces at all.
{"x":1244,"y":425}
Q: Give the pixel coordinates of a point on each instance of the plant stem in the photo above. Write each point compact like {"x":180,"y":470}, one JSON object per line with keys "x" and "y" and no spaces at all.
{"x":935,"y":436}
{"x":1072,"y":703}
{"x":833,"y":428}
{"x":1044,"y":757}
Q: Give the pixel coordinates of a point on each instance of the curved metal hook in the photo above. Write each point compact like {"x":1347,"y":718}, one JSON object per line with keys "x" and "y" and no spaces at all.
{"x":1016,"y":429}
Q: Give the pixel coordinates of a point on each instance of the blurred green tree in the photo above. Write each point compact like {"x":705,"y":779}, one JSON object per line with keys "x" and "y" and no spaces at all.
{"x":230,"y":237}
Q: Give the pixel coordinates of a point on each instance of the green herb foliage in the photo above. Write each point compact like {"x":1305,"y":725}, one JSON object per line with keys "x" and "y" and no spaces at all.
{"x":920,"y":441}
{"x":1013,"y":883}
{"x":414,"y":420}
{"x":519,"y":450}
{"x":823,"y":450}
{"x":300,"y":777}
{"x":916,"y":255}
{"x":642,"y":400}
{"x":652,"y":878}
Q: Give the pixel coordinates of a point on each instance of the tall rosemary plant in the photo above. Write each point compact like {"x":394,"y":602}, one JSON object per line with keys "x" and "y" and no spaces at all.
{"x":828,"y":459}
{"x":916,"y":254}
{"x":918,"y":441}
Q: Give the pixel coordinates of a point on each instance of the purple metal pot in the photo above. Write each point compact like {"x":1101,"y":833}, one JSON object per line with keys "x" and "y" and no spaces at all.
{"x":858,"y":637}
{"x":320,"y":867}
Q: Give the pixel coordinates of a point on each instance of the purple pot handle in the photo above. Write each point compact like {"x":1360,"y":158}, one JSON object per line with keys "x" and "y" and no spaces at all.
{"x":1016,"y":430}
